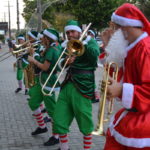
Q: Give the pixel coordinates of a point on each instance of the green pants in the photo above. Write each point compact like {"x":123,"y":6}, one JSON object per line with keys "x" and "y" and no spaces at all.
{"x":19,"y":74}
{"x":36,"y":98}
{"x":72,"y":104}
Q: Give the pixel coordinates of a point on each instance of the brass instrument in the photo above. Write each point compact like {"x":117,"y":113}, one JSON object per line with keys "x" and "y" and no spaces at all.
{"x":24,"y":49}
{"x":22,"y":45}
{"x":102,"y":104}
{"x":29,"y":74}
{"x":75,"y":48}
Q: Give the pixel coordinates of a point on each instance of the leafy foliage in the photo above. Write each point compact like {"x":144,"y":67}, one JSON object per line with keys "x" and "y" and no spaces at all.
{"x":96,"y":11}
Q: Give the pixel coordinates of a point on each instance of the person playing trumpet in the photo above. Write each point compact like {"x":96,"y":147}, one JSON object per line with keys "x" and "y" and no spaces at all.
{"x":130,"y":128}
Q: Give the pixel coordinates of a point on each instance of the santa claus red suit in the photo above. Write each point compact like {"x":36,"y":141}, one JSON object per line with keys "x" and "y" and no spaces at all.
{"x":130,"y":127}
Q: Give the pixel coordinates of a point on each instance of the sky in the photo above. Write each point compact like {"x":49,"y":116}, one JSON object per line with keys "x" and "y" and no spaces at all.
{"x":13,"y":14}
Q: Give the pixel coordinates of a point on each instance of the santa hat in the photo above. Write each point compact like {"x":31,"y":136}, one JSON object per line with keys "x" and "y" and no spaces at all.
{"x":129,"y":15}
{"x":20,"y":37}
{"x":72,"y":25}
{"x":33,"y":34}
{"x":51,"y":33}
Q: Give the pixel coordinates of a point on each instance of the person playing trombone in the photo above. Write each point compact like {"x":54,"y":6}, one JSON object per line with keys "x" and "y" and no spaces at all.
{"x":77,"y":90}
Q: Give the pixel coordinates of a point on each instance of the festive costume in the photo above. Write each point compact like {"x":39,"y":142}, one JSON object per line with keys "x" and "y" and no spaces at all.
{"x":130,"y":128}
{"x":76,"y":92}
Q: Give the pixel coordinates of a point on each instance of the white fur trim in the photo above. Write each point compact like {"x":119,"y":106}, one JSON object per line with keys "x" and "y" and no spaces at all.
{"x":21,"y":38}
{"x":91,"y":32}
{"x":145,"y":34}
{"x":127,"y":95}
{"x":64,"y":44}
{"x":30,"y":34}
{"x":42,"y":48}
{"x":40,"y":36}
{"x":25,"y":61}
{"x":130,"y":142}
{"x":123,"y":21}
{"x":73,"y":27}
{"x":50,"y":35}
{"x":35,"y":54}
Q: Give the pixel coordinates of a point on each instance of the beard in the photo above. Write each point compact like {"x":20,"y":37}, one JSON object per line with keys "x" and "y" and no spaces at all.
{"x":116,"y":48}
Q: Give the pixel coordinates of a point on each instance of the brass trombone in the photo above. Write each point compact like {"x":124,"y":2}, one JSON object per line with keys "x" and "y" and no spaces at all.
{"x":102,"y":104}
{"x":75,"y":48}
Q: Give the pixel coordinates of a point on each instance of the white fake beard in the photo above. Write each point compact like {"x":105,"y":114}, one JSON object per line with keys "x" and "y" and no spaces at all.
{"x":116,"y":48}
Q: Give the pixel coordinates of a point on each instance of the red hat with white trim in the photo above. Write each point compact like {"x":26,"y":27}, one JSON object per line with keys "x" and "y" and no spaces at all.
{"x":129,"y":15}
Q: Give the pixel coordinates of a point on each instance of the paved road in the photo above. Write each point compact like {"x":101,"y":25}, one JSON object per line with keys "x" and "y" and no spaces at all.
{"x":16,"y":121}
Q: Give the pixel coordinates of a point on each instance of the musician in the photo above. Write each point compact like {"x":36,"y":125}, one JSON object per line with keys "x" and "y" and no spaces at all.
{"x":19,"y":65}
{"x":77,"y":90}
{"x":91,"y":33}
{"x":46,"y":64}
{"x":130,"y":128}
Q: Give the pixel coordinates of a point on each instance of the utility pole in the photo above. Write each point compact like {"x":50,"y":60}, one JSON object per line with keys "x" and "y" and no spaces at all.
{"x":9,"y":20}
{"x":4,"y":16}
{"x":9,"y":27}
{"x":18,"y":20}
{"x":39,"y":28}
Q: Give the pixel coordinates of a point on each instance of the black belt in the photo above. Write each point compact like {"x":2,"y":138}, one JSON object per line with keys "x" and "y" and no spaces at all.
{"x":80,"y":71}
{"x":132,"y":110}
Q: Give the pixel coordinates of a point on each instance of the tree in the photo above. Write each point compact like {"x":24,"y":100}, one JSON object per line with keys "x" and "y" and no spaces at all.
{"x":144,"y":5}
{"x":96,"y":11}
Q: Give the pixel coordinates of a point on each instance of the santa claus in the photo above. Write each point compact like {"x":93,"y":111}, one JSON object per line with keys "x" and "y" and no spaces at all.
{"x":130,"y":127}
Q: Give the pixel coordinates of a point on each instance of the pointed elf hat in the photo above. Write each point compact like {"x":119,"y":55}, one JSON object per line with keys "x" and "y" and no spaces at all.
{"x":33,"y":34}
{"x":129,"y":15}
{"x":20,"y":37}
{"x":51,"y":33}
{"x":72,"y":25}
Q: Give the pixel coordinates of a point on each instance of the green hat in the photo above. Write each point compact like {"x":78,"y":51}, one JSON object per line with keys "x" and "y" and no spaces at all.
{"x":72,"y":25}
{"x":21,"y":37}
{"x":51,"y":33}
{"x":33,"y":34}
{"x":92,"y":32}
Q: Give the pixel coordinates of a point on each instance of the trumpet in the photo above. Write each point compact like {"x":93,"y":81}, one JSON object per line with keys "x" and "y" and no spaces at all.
{"x":24,"y":49}
{"x":22,"y":45}
{"x":75,"y":48}
{"x":100,"y":125}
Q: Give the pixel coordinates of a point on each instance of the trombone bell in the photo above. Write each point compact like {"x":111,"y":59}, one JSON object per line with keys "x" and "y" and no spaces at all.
{"x":75,"y":48}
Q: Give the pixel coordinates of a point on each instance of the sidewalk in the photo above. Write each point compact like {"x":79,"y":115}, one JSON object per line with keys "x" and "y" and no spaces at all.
{"x":16,"y":121}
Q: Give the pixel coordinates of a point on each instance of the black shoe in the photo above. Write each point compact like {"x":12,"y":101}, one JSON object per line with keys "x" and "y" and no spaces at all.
{"x":95,"y":100}
{"x":52,"y":141}
{"x":28,"y":99}
{"x":60,"y":149}
{"x":47,"y":119}
{"x":18,"y":90}
{"x":26,"y":92}
{"x":39,"y":131}
{"x":43,"y":111}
